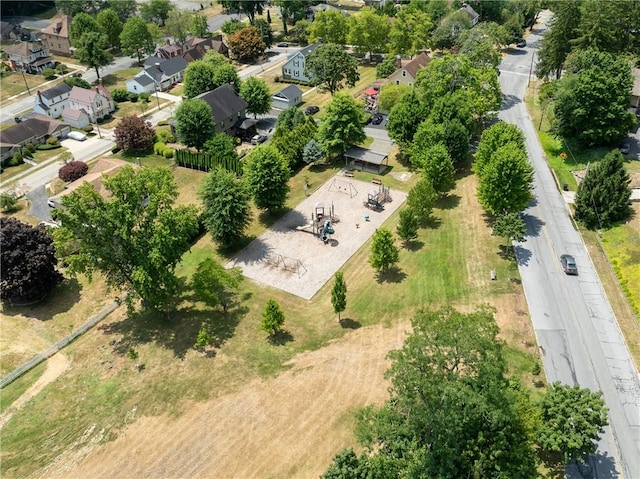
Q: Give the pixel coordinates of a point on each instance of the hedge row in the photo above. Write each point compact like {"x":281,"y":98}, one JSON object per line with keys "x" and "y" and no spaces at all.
{"x":206,"y":161}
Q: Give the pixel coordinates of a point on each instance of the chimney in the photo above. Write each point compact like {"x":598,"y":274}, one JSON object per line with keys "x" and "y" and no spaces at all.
{"x":168,"y":42}
{"x":39,"y":97}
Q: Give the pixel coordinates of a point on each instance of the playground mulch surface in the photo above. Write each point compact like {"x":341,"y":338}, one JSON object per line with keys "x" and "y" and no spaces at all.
{"x":298,"y":261}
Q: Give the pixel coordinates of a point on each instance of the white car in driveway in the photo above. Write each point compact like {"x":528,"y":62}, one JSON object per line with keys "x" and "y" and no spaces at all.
{"x":76,"y":135}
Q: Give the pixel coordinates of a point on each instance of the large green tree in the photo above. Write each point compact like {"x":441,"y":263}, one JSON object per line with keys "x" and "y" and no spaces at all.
{"x":199,"y":27}
{"x":214,"y":285}
{"x":255,"y":92}
{"x":246,"y":43}
{"x":123,"y":8}
{"x":408,"y":225}
{"x":156,"y":11}
{"x":384,"y":253}
{"x":592,"y":98}
{"x":556,"y":43}
{"x":291,"y":142}
{"x":199,"y":77}
{"x":390,"y":95}
{"x":342,"y":125}
{"x":497,"y":135}
{"x":226,"y":211}
{"x":452,"y":413}
{"x":250,"y":8}
{"x":136,"y":38}
{"x":404,"y":119}
{"x":448,"y":33}
{"x":409,"y":32}
{"x":82,"y":23}
{"x":368,"y":31}
{"x":331,"y":67}
{"x":194,"y":122}
{"x":331,"y":26}
{"x":421,"y":198}
{"x":91,"y":50}
{"x":506,"y":181}
{"x":267,"y":175}
{"x":436,"y":164}
{"x":607,"y":26}
{"x":178,"y":24}
{"x":572,"y":421}
{"x":603,"y":196}
{"x":111,"y":25}
{"x":124,"y":237}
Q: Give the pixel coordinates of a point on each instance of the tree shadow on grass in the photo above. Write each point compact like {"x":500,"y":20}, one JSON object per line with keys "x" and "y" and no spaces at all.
{"x":448,"y":202}
{"x":61,"y":299}
{"x":392,"y":275}
{"x":552,"y":461}
{"x":413,"y":245}
{"x":431,"y":222}
{"x":280,"y":338}
{"x":268,"y":217}
{"x":348,"y":323}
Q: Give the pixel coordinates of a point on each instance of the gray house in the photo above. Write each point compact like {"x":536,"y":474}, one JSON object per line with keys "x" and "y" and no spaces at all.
{"x":293,"y":68}
{"x":287,"y":97}
{"x":34,"y":130}
{"x":227,"y":107}
{"x":158,"y":73}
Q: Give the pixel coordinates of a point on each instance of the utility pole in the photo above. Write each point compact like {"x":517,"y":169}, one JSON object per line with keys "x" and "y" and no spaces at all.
{"x":25,"y":80}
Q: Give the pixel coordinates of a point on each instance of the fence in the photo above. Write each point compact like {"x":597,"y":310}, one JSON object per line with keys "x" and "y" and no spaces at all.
{"x":204,"y":161}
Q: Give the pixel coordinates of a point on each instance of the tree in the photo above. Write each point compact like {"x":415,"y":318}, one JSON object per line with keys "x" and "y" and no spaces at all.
{"x":312,"y":152}
{"x":111,"y":26}
{"x":408,"y":225}
{"x":591,"y":103}
{"x":91,"y":50}
{"x":497,"y":135}
{"x":342,"y":125}
{"x":291,"y":143}
{"x":226,"y":211}
{"x":447,"y":33}
{"x":272,"y":318}
{"x":246,"y":43}
{"x":27,"y":261}
{"x":136,"y":38}
{"x":223,"y":147}
{"x":250,"y":8}
{"x":8,"y":201}
{"x":82,"y":23}
{"x":368,"y":31}
{"x":257,"y":95}
{"x":194,"y":122}
{"x":231,"y":26}
{"x":74,"y":7}
{"x":134,"y":134}
{"x":506,"y":181}
{"x":226,"y":73}
{"x":437,"y":166}
{"x":386,"y":67}
{"x":79,"y":82}
{"x":607,"y":27}
{"x":404,"y":119}
{"x":384,"y":252}
{"x":339,"y":294}
{"x":347,"y":465}
{"x":214,"y":285}
{"x":199,"y":77}
{"x":556,"y":43}
{"x":409,"y":33}
{"x":573,"y":419}
{"x":266,"y":34}
{"x":509,"y":226}
{"x":199,"y":27}
{"x":289,"y":119}
{"x":123,"y":8}
{"x":331,"y":26}
{"x":156,"y":11}
{"x":330,"y":67}
{"x":390,"y":95}
{"x":48,"y":73}
{"x":216,"y":59}
{"x":482,"y":43}
{"x":421,"y":198}
{"x":178,"y":23}
{"x":290,"y":10}
{"x":73,"y":171}
{"x":267,"y":175}
{"x":603,"y":196}
{"x":300,"y":31}
{"x":125,"y":238}
{"x":452,"y":412}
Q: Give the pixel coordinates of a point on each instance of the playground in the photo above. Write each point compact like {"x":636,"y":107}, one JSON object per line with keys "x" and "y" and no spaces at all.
{"x":304,"y":249}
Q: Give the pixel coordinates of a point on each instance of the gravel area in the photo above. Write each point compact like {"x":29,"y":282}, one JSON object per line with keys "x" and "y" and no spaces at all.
{"x":292,"y":258}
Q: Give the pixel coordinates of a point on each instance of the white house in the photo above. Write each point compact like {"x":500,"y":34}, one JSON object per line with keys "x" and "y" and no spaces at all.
{"x":293,"y":68}
{"x":75,"y":118}
{"x":29,"y":57}
{"x":159,"y":73}
{"x":97,"y":103}
{"x":287,"y":97}
{"x":406,"y":74}
{"x":51,"y":102}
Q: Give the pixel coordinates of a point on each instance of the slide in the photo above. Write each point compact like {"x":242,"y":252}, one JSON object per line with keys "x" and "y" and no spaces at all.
{"x":326,"y":231}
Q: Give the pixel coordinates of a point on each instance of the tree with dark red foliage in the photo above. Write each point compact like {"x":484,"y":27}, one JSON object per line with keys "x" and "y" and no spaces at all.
{"x":73,"y":170}
{"x":134,"y":134}
{"x":27,"y":261}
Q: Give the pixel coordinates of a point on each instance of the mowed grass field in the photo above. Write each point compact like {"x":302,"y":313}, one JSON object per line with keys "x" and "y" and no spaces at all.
{"x":102,"y":395}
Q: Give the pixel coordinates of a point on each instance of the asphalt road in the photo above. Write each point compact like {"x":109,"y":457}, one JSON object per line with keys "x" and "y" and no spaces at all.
{"x":579,"y":339}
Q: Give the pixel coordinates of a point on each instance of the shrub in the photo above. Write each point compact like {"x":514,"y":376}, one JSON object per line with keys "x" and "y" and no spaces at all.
{"x":16,"y":160}
{"x":45,"y":146}
{"x":167,"y":153}
{"x":144,"y":96}
{"x":120,"y":94}
{"x":165,"y":136}
{"x":88,"y":128}
{"x":62,"y":68}
{"x":133,"y":97}
{"x":79,"y":82}
{"x":73,"y":170}
{"x":52,"y":140}
{"x":115,"y":149}
{"x":158,"y":148}
{"x":163,"y":122}
{"x":31,"y":148}
{"x":49,"y":73}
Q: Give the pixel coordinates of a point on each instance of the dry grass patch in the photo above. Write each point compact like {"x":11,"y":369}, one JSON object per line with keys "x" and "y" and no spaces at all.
{"x":13,"y":83}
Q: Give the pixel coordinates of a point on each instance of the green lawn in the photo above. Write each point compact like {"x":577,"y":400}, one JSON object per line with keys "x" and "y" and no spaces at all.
{"x":622,"y":244}
{"x":13,"y":83}
{"x":120,"y":78}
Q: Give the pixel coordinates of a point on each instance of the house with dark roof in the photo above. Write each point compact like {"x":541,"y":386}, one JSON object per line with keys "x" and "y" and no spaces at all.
{"x":55,"y":37}
{"x":293,"y":67}
{"x":11,"y":31}
{"x":407,"y":72}
{"x":287,"y":97}
{"x":96,"y":102}
{"x":227,"y":107}
{"x":29,"y":57}
{"x":33,"y":130}
{"x":158,"y":74}
{"x":473,"y":15}
{"x":51,"y":102}
{"x":193,"y":48}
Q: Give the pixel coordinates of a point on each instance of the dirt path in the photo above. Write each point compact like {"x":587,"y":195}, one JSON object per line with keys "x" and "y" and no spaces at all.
{"x":289,"y":426}
{"x":56,"y":365}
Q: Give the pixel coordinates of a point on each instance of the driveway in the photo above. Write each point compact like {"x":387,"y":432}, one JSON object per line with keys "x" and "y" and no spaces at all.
{"x":39,"y":208}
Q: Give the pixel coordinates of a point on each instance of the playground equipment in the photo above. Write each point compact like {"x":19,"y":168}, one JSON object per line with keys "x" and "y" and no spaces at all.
{"x":343,"y":187}
{"x":326,"y":231}
{"x":376,"y":199}
{"x":321,"y":221}
{"x":292,"y":265}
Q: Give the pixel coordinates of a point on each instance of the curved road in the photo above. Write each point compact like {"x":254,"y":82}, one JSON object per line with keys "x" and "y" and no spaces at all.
{"x":579,"y":339}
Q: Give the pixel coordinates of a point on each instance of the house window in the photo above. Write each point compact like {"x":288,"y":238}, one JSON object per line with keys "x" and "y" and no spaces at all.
{"x":397,"y":82}
{"x":404,"y":73}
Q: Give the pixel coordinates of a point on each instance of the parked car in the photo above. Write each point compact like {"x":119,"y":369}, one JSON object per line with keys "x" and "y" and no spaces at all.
{"x":76,"y":135}
{"x":624,"y":147}
{"x":311,"y":110}
{"x":259,"y":138}
{"x":521,"y":44}
{"x":76,"y":75}
{"x":378,"y":118}
{"x":282,"y":45}
{"x":568,"y":264}
{"x":50,"y":203}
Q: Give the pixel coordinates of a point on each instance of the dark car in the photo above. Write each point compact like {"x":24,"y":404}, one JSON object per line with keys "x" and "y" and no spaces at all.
{"x":76,"y":75}
{"x":283,"y":45}
{"x":521,"y":44}
{"x":624,"y":148}
{"x":311,"y":110}
{"x":377,"y":119}
{"x":568,"y":264}
{"x":259,"y":138}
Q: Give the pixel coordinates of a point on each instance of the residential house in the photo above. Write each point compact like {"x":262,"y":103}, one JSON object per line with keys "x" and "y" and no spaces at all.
{"x":97,"y":102}
{"x":473,"y":15}
{"x":51,"y":102}
{"x":75,"y":118}
{"x":322,"y":7}
{"x":55,"y":37}
{"x":287,"y":97}
{"x":227,"y":107}
{"x":193,"y":49}
{"x":29,"y":57}
{"x":11,"y":32}
{"x":635,"y":91}
{"x":158,"y":74}
{"x":406,"y":74}
{"x":32,"y":130}
{"x":293,"y":68}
